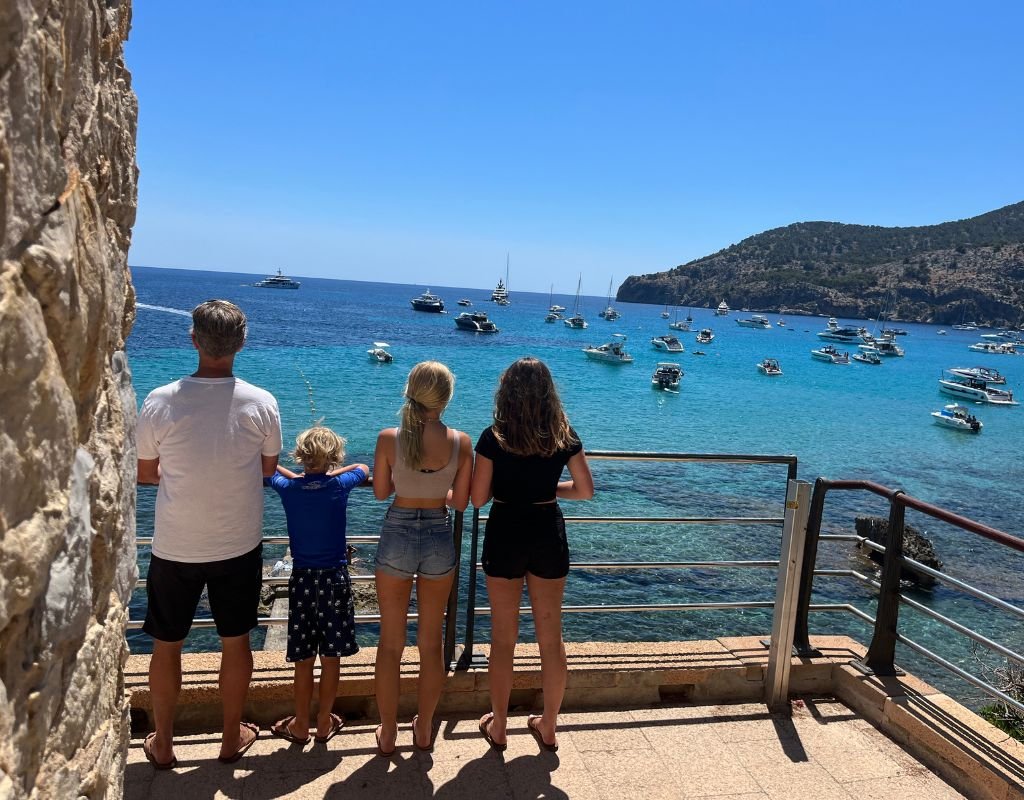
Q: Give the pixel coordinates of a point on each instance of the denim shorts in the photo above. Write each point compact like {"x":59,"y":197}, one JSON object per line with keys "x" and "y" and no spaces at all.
{"x":416,"y":541}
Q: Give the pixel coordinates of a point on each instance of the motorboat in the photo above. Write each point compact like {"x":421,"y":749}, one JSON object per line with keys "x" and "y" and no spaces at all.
{"x":868,"y":356}
{"x":500,"y":292}
{"x":476,"y":322}
{"x":770,"y":366}
{"x":958,"y":418}
{"x":379,"y":353}
{"x":666,"y":376}
{"x":428,"y":302}
{"x":664,"y":313}
{"x":556,"y":309}
{"x":609,"y":313}
{"x":994,"y":348}
{"x":829,"y":353}
{"x":278,"y":281}
{"x":576,"y":320}
{"x":883,"y":347}
{"x":940,"y":332}
{"x":894,"y":332}
{"x":722,"y":310}
{"x":706,"y":336}
{"x":841,"y":333}
{"x":668,"y":343}
{"x":977,"y":390}
{"x":755,"y":321}
{"x":553,"y":316}
{"x":781,"y":323}
{"x":465,"y":301}
{"x":681,"y":324}
{"x":966,"y":326}
{"x":986,"y":374}
{"x":613,"y":352}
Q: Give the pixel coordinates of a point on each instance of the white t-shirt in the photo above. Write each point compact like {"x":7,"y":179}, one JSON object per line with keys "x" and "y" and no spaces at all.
{"x":209,"y":434}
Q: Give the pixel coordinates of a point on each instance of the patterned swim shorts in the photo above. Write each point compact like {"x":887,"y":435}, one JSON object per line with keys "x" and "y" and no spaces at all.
{"x":321,"y":614}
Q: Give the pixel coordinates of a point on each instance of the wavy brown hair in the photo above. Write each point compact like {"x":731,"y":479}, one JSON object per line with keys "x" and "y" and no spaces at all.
{"x":528,"y":416}
{"x":429,"y":387}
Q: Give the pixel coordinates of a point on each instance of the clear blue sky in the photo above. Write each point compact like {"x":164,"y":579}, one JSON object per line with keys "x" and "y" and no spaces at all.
{"x":420,"y":142}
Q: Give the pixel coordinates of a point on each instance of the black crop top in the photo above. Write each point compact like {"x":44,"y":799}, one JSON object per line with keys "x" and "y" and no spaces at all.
{"x":524,"y":479}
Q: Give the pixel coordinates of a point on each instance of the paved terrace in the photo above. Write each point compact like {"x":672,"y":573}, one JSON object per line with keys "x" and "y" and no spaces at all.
{"x":643,"y":720}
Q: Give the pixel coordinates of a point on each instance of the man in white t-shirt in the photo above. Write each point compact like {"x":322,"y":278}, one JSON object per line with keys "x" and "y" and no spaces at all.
{"x":207,"y":441}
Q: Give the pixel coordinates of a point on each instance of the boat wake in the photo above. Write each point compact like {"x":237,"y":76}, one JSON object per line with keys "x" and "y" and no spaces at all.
{"x":165,"y":309}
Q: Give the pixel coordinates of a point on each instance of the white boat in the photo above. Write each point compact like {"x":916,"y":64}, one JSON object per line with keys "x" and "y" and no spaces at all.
{"x":475,"y":322}
{"x":500,"y":293}
{"x":554,"y":308}
{"x":977,"y":390}
{"x":722,"y":310}
{"x":613,"y":352}
{"x":841,"y":333}
{"x":277,"y":281}
{"x":868,"y":356}
{"x":428,"y":302}
{"x":664,"y":313}
{"x":706,"y":336}
{"x":465,"y":301}
{"x":994,"y":348}
{"x":770,"y":366}
{"x":668,"y":343}
{"x":755,"y":321}
{"x":553,"y":316}
{"x":829,"y":353}
{"x":940,"y":333}
{"x":958,"y":418}
{"x":781,"y":323}
{"x":576,"y":320}
{"x":986,"y":374}
{"x":666,"y":376}
{"x":681,"y":325}
{"x":379,"y":353}
{"x":609,"y":313}
{"x":965,"y":326}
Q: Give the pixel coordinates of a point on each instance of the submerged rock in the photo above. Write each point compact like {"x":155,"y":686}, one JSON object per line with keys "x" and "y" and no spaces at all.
{"x":915,"y":545}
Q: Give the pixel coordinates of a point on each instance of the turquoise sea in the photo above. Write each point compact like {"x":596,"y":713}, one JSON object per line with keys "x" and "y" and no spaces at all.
{"x":309,"y":346}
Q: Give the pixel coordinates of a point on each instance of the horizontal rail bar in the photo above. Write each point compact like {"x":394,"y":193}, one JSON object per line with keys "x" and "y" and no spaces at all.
{"x":204,"y":622}
{"x":357,"y":539}
{"x":941,"y":514}
{"x":679,"y":520}
{"x":274,"y":580}
{"x":713,"y":458}
{"x":988,"y":688}
{"x":648,"y":607}
{"x":950,"y":623}
{"x":667,"y":564}
{"x":870,"y":620}
{"x":841,"y":537}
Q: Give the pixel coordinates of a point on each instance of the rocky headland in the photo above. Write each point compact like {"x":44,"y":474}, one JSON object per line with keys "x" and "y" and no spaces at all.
{"x":967,"y":270}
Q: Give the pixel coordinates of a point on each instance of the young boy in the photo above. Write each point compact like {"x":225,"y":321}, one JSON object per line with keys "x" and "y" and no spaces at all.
{"x":321,"y":612}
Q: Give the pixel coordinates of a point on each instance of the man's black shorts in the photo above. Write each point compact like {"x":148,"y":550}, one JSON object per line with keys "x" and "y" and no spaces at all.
{"x":525,"y":538}
{"x":173,"y":589}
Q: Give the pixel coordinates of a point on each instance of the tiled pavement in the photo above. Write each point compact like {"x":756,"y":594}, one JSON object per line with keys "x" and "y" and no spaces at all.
{"x":742,"y":752}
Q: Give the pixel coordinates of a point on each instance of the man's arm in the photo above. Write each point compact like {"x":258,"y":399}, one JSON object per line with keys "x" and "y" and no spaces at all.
{"x":148,"y":471}
{"x":269,"y":464}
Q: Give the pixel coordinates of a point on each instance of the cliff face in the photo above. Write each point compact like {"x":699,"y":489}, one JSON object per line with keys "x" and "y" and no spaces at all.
{"x":970,"y":269}
{"x":67,"y":554}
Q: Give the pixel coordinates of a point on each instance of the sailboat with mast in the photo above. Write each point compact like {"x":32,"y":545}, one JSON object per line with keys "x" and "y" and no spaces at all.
{"x":609,"y":313}
{"x":576,"y":320}
{"x":500,"y":293}
{"x":681,"y":325}
{"x":553,"y":310}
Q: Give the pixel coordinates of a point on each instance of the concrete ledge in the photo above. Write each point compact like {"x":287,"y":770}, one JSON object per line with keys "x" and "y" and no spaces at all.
{"x":969,"y":753}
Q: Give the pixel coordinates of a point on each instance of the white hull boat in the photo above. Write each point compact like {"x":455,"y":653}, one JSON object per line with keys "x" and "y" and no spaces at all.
{"x":669,"y":344}
{"x":277,"y":281}
{"x":666,"y":377}
{"x":770,"y":366}
{"x":706,"y":336}
{"x":986,"y":374}
{"x":379,"y":353}
{"x":976,"y":390}
{"x":958,"y":418}
{"x":755,"y":321}
{"x":475,"y":322}
{"x":830,"y":354}
{"x":613,"y":352}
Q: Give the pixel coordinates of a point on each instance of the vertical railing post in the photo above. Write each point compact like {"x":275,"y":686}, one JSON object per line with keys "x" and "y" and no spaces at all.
{"x":466,"y":659}
{"x":802,"y":636}
{"x":780,"y":653}
{"x":881,"y":655}
{"x":451,"y":617}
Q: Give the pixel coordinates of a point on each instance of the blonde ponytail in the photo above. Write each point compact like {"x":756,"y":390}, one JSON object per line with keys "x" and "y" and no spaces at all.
{"x":429,"y":388}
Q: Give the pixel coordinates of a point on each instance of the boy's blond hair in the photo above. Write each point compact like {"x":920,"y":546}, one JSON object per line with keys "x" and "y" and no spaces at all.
{"x":319,"y":449}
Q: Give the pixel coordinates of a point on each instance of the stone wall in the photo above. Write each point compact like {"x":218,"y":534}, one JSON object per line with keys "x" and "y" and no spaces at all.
{"x":67,"y":499}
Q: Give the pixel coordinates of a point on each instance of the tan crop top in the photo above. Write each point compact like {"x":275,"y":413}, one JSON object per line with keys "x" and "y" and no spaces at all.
{"x":424,"y":484}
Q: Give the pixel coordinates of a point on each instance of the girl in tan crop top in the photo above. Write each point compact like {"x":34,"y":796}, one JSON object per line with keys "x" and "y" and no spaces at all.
{"x":428,"y":467}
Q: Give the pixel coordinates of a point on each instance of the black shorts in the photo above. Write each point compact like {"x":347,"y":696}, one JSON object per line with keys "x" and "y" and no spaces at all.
{"x":321,"y":614}
{"x":525,"y":538}
{"x":173,"y":589}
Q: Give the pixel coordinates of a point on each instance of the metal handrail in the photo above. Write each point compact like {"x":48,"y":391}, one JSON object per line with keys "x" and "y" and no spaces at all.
{"x":880,"y":658}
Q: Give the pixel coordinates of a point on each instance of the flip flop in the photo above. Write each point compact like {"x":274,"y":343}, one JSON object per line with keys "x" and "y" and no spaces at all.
{"x":152,"y":759}
{"x":237,"y":755}
{"x":424,"y":748}
{"x":484,"y":730}
{"x":283,"y":730}
{"x":337,"y":722}
{"x":530,"y":720}
{"x":380,"y":750}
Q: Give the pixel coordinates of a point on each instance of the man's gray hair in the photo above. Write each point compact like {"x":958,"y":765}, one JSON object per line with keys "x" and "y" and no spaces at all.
{"x":219,"y":328}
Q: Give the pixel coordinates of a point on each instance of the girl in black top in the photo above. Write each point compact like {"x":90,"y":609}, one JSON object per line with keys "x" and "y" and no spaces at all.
{"x":519,"y":461}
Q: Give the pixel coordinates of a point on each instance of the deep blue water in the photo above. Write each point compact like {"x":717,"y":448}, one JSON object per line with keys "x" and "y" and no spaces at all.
{"x":309,"y":346}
